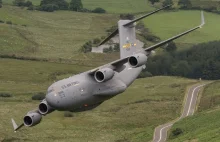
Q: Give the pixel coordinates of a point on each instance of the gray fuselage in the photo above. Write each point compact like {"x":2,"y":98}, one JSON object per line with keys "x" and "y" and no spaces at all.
{"x":82,"y":91}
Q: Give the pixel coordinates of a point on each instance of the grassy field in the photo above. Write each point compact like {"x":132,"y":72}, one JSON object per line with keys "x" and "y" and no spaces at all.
{"x":204,"y":125}
{"x":131,"y":116}
{"x":50,"y":35}
{"x":30,"y":76}
{"x":168,"y":24}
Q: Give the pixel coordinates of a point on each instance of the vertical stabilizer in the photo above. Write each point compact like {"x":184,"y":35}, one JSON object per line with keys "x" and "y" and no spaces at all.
{"x":127,"y":37}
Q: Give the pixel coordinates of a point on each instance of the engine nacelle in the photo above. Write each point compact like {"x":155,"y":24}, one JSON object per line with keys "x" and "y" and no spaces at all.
{"x":44,"y":108}
{"x":104,"y":74}
{"x":32,"y":118}
{"x":137,"y":60}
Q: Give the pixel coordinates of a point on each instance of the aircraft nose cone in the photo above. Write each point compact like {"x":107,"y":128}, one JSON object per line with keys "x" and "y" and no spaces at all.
{"x":52,"y":100}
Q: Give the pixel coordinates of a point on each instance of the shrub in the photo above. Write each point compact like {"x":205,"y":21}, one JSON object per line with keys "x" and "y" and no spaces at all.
{"x":30,"y":7}
{"x":75,"y":5}
{"x":145,"y":74}
{"x":2,"y":21}
{"x":96,"y":41}
{"x":28,"y":4}
{"x":5,"y":95}
{"x":99,"y":10}
{"x":126,"y":16}
{"x":19,"y":2}
{"x":68,"y":114}
{"x":177,"y":132}
{"x":49,"y":7}
{"x":9,"y":22}
{"x":116,"y":47}
{"x":39,"y":96}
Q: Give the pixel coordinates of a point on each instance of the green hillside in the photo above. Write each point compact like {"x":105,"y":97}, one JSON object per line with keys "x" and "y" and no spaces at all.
{"x":204,"y":125}
{"x":168,"y":24}
{"x":130,"y":116}
{"x":49,"y":35}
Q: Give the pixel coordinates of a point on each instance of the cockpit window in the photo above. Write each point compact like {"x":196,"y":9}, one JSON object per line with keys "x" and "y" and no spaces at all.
{"x":51,"y":90}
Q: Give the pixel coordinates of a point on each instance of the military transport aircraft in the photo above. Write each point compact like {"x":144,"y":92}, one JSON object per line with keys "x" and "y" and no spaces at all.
{"x":88,"y":90}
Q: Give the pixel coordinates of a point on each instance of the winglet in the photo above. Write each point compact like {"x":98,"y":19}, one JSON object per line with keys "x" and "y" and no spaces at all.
{"x":15,"y":126}
{"x":177,"y":36}
{"x":202,"y":19}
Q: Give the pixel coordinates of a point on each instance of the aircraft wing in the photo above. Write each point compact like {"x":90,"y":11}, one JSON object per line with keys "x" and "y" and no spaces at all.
{"x":122,"y":61}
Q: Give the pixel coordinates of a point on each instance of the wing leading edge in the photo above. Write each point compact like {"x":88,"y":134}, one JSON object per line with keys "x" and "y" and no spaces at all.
{"x":149,"y":49}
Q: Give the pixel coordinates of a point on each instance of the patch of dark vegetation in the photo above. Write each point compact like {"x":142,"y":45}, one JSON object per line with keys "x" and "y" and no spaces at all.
{"x":22,"y":3}
{"x":68,"y":114}
{"x":200,"y":61}
{"x":38,"y":96}
{"x":127,"y":16}
{"x":112,"y":48}
{"x":177,"y":132}
{"x":123,"y":140}
{"x":9,"y":22}
{"x":144,"y":101}
{"x":175,"y":85}
{"x":5,"y":95}
{"x":1,"y":21}
{"x":145,"y":74}
{"x":22,"y":58}
{"x":99,"y":10}
{"x":0,"y":3}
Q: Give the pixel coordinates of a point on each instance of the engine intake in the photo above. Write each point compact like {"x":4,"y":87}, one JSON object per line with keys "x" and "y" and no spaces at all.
{"x":44,"y":108}
{"x":32,"y":118}
{"x":137,"y":60}
{"x":104,"y":74}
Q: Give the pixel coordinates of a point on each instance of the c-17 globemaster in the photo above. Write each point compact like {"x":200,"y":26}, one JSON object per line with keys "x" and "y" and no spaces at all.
{"x":88,"y":90}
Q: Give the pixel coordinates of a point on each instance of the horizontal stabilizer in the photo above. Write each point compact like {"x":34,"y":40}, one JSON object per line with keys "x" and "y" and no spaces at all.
{"x":109,"y":37}
{"x":177,"y":36}
{"x":131,"y":22}
{"x":15,"y":126}
{"x":144,"y":16}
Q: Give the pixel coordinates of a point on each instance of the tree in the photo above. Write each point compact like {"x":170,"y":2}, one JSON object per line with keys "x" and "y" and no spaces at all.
{"x":53,"y":4}
{"x":167,"y":2}
{"x":171,"y":47}
{"x":28,"y":4}
{"x":19,"y":2}
{"x":184,"y":4}
{"x":75,"y":5}
{"x":0,"y":3}
{"x":154,"y":1}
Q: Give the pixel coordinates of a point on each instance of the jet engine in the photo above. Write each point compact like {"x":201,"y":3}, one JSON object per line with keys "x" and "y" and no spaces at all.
{"x":44,"y":108}
{"x":137,"y":60}
{"x":32,"y":118}
{"x":104,"y":74}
